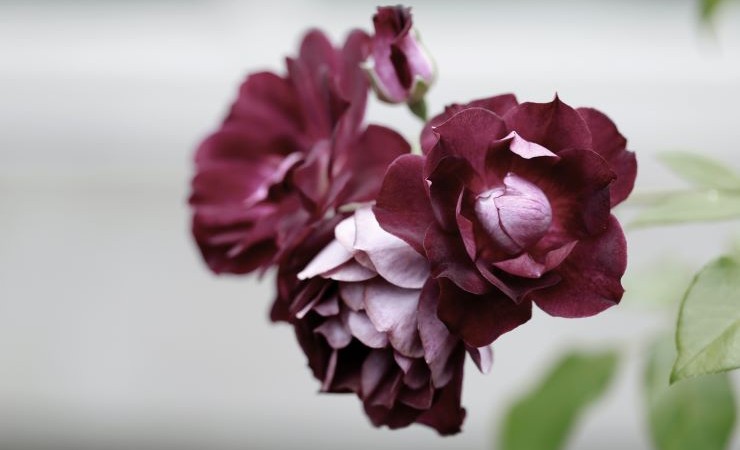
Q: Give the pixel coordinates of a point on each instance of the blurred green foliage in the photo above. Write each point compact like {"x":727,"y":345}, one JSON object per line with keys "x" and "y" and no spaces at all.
{"x":696,"y":414}
{"x":544,"y":418}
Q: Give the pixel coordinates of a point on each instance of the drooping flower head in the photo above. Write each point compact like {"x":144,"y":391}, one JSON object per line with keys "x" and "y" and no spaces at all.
{"x":287,"y":156}
{"x":402,"y":70}
{"x":511,"y":205}
{"x":366,"y":319}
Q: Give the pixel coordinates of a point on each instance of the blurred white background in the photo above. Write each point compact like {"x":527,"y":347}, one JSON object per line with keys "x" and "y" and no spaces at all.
{"x":112,"y":332}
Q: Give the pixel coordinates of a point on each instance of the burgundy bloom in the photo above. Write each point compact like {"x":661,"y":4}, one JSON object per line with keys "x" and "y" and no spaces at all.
{"x":511,"y":205}
{"x":403,"y":70}
{"x":290,"y":152}
{"x":366,"y":319}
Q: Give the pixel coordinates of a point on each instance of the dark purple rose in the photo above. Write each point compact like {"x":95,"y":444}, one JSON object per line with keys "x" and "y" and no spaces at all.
{"x":403,"y":70}
{"x":290,"y":152}
{"x":366,"y":319}
{"x":511,"y":205}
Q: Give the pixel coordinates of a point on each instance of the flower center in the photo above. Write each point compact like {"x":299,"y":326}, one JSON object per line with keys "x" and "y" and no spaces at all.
{"x":515,"y":215}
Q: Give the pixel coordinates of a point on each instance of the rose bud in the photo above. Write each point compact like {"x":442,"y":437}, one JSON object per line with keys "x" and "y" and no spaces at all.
{"x":403,"y":71}
{"x":511,"y":204}
{"x":366,"y":319}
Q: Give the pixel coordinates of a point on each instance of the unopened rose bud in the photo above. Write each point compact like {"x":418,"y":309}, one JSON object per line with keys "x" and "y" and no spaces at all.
{"x":402,"y":71}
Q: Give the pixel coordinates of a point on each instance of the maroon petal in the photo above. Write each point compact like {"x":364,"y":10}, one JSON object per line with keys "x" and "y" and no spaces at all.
{"x":446,"y":415}
{"x":612,"y":146}
{"x":267,"y":109}
{"x":468,"y":134}
{"x":381,"y":379}
{"x":449,"y":259}
{"x":554,"y":125}
{"x":499,"y":104}
{"x":482,"y":357}
{"x":436,"y":339}
{"x":402,"y":207}
{"x":480,"y":319}
{"x":578,"y":190}
{"x":590,"y":276}
{"x":364,"y":164}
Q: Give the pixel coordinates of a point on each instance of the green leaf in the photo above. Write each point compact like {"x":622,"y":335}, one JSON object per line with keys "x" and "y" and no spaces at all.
{"x":708,"y":330}
{"x":695,"y":414}
{"x":543,"y":419}
{"x":701,"y":171}
{"x":691,"y":207}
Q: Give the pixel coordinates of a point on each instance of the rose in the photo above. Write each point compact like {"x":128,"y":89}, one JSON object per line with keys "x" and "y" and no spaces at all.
{"x":403,"y":70}
{"x":289,"y":154}
{"x":511,"y":205}
{"x":366,"y":320}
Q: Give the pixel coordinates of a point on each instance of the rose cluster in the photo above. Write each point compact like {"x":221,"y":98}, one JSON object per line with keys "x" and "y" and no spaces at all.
{"x":392,"y":266}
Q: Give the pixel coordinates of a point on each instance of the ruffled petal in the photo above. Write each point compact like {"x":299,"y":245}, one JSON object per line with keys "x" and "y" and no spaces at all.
{"x":402,"y":207}
{"x":590,"y":276}
{"x":553,"y":125}
{"x":612,"y":146}
{"x":480,"y":319}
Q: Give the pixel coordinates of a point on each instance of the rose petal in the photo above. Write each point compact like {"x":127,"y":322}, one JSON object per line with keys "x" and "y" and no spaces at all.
{"x":364,"y":330}
{"x":402,"y":207}
{"x":483,"y":357}
{"x":391,"y":257}
{"x":436,"y":339}
{"x":450,"y":260}
{"x":479,"y":319}
{"x":446,"y":415}
{"x":611,"y":145}
{"x":499,"y":104}
{"x":336,"y":334}
{"x":393,"y":310}
{"x":329,"y":259}
{"x":350,"y":271}
{"x":590,"y":276}
{"x":468,"y":134}
{"x":553,"y":125}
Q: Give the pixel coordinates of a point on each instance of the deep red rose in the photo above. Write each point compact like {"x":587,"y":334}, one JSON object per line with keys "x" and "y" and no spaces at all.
{"x":511,"y":205}
{"x":403,"y":70}
{"x":366,"y":319}
{"x":290,"y":152}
